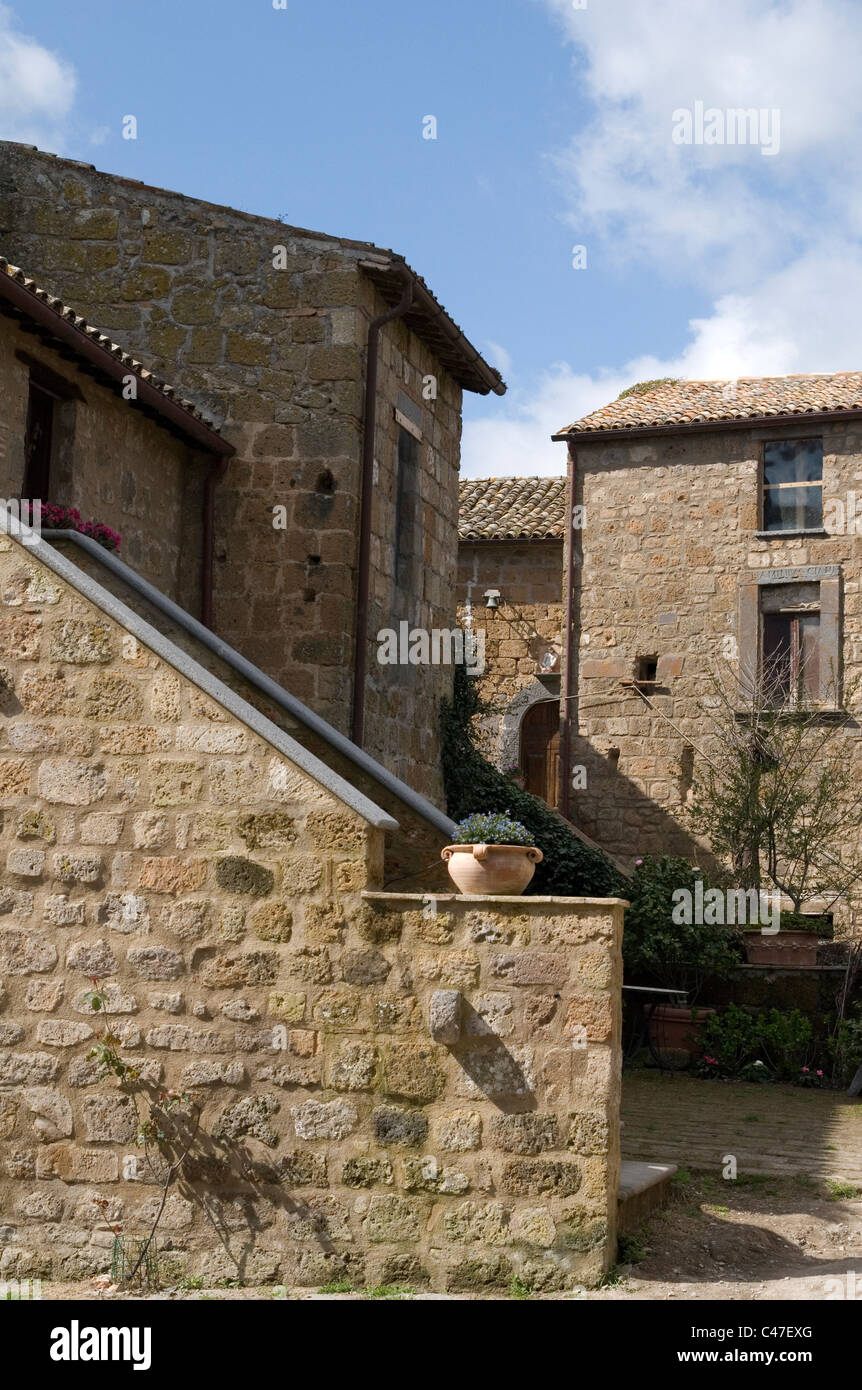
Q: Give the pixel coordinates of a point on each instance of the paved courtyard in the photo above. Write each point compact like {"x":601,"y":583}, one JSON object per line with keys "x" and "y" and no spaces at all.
{"x":783,"y":1130}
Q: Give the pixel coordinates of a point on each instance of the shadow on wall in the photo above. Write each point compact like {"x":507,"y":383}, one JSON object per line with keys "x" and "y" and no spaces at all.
{"x":619,"y":815}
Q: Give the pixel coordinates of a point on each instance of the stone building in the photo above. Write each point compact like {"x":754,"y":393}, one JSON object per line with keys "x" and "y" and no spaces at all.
{"x":225,"y":887}
{"x":68,"y":435}
{"x":261,"y":904}
{"x":510,"y":588}
{"x":331,"y":521}
{"x":719,"y":524}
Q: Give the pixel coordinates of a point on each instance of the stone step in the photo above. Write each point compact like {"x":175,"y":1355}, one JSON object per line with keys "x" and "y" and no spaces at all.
{"x":644,"y":1187}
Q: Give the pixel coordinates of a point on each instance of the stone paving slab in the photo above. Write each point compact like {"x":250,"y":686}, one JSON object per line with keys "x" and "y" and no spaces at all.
{"x":670,"y":1118}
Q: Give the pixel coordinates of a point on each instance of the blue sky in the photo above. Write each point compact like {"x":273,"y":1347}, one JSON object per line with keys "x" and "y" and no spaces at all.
{"x":554,"y":130}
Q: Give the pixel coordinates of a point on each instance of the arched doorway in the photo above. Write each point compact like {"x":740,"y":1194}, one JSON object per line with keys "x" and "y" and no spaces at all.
{"x":540,"y":750}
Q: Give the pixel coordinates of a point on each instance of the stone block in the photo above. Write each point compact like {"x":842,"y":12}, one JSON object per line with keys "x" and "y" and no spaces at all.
{"x":72,"y":1164}
{"x":109,"y":1119}
{"x":530,"y":1133}
{"x":27,"y":863}
{"x":412,"y":1072}
{"x":26,"y":952}
{"x":333,"y":1119}
{"x":70,"y":781}
{"x":56,"y":1032}
{"x":156,"y":962}
{"x":444,"y":1017}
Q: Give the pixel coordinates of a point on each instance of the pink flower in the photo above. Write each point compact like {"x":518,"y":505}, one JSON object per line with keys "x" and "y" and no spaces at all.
{"x":805,"y":1069}
{"x":819,"y":1073}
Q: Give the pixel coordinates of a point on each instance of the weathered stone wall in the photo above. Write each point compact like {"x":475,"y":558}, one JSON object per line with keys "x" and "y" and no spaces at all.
{"x":113,"y":463}
{"x":277,"y":357}
{"x":411,"y":853}
{"x":670,"y":536}
{"x":527,"y":625}
{"x":154,"y":841}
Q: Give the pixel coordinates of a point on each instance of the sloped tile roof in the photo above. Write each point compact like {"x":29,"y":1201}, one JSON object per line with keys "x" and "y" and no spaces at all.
{"x":512,"y":509}
{"x":682,"y":403}
{"x":102,"y":341}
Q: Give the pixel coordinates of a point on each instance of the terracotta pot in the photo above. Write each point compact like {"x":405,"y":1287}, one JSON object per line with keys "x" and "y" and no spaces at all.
{"x":797,"y":948}
{"x":491,"y":869}
{"x":677,"y":1030}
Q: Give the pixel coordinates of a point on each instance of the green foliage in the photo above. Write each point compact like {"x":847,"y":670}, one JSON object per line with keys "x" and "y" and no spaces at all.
{"x":570,"y":868}
{"x":776,"y":1045}
{"x":787,"y":1040}
{"x":518,"y":1289}
{"x":659,"y":951}
{"x":493,"y":829}
{"x":730,"y":1040}
{"x":337,"y":1286}
{"x":392,"y":1291}
{"x":631,"y":1249}
{"x":802,"y":921}
{"x":841,"y":1191}
{"x":643,"y":388}
{"x":846,"y":1049}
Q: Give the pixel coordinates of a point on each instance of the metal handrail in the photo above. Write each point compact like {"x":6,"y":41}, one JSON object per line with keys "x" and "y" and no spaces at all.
{"x":262,"y":682}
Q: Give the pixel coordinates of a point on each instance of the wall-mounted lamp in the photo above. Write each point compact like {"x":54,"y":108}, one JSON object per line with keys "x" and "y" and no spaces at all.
{"x":492,"y":598}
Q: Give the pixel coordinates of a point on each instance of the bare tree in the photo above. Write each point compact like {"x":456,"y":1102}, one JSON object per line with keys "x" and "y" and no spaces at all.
{"x":775,"y":792}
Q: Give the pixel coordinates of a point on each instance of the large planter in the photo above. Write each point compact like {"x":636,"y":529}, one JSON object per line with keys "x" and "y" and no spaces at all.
{"x":677,"y":1030}
{"x":794,"y":948}
{"x":492,"y":869}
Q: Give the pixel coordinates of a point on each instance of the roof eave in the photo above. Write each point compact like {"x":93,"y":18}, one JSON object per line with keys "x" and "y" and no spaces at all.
{"x":701,"y":426}
{"x":468,"y":366}
{"x":28,"y":303}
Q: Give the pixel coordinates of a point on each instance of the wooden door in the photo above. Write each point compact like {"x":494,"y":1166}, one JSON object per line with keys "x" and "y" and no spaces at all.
{"x":540,"y":750}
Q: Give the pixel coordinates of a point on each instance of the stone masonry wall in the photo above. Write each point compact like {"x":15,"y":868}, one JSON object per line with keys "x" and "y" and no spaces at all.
{"x":226,"y":901}
{"x":671,"y":533}
{"x":528,"y":623}
{"x":114,"y":464}
{"x":277,"y":358}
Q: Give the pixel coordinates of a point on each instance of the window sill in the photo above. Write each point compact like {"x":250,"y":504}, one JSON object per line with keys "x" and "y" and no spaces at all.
{"x":825,"y":714}
{"x":814,"y":533}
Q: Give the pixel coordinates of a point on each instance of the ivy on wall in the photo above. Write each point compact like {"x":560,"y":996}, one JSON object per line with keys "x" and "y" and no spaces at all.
{"x":570,"y":868}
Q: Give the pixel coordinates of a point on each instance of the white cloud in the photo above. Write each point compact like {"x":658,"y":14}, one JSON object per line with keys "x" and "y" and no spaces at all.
{"x":37,"y":88}
{"x":713,"y":211}
{"x":804,"y":318}
{"x":774,"y":241}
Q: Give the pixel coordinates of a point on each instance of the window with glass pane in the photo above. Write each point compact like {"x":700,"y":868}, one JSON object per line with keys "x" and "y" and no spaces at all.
{"x":793,"y":485}
{"x":791,"y":644}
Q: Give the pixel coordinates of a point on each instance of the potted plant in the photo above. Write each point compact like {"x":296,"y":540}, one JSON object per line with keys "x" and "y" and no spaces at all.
{"x":658,"y":950}
{"x":491,"y":854}
{"x":794,"y":944}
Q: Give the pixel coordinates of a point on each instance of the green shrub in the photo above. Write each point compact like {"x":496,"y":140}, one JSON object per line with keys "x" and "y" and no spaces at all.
{"x":776,"y":1045}
{"x":846,"y":1049}
{"x":787,"y":1040}
{"x":569,"y":868}
{"x":730,"y":1038}
{"x":659,"y":951}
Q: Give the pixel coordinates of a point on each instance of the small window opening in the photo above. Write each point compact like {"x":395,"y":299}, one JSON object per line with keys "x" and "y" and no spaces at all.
{"x":646,"y":670}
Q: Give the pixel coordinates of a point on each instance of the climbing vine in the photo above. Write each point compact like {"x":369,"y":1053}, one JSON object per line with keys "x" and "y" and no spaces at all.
{"x":570,"y":868}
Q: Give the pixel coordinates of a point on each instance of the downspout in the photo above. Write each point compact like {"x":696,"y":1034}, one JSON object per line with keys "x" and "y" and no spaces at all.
{"x":215,"y":473}
{"x":570,"y":676}
{"x":369,"y":439}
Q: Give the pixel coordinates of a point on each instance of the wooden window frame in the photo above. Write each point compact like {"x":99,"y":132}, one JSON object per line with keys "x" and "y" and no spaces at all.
{"x":764,"y":487}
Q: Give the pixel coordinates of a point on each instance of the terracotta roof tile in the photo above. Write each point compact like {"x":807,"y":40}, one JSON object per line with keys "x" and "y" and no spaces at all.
{"x":512,"y":509}
{"x":107,"y":344}
{"x":684,"y":403}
